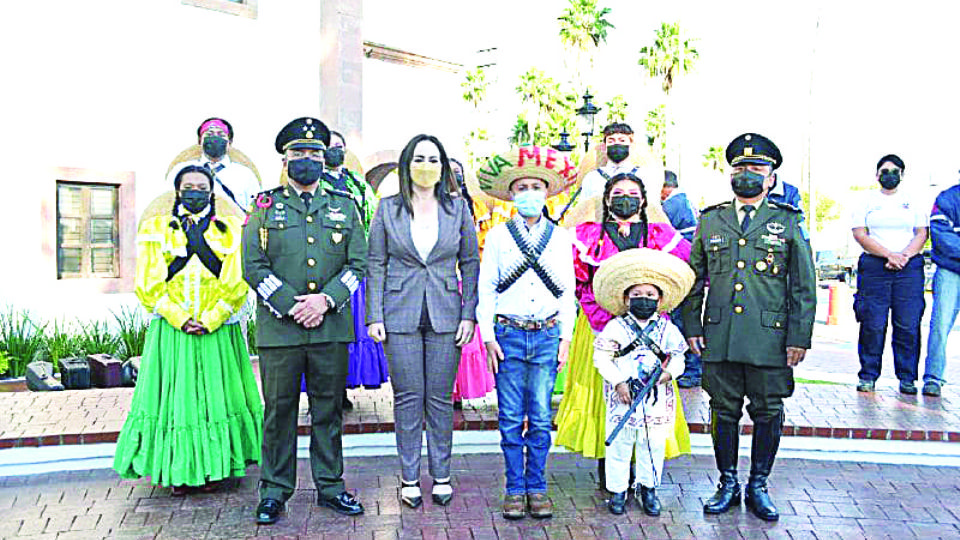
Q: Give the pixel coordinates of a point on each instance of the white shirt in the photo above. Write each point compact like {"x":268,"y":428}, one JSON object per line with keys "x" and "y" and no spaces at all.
{"x":241,"y":181}
{"x":617,"y":335}
{"x":424,"y":231}
{"x":528,"y":297}
{"x":594,"y":182}
{"x":741,"y":214}
{"x":890,"y":219}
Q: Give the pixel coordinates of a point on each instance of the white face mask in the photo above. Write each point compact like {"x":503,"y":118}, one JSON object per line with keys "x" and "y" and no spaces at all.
{"x":425,"y":174}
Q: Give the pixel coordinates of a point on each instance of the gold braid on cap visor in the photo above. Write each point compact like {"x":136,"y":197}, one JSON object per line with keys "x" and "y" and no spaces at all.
{"x":313,"y":142}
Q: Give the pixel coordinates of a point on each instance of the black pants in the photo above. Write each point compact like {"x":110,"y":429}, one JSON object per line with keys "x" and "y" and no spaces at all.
{"x":728,"y":383}
{"x":281,"y":368}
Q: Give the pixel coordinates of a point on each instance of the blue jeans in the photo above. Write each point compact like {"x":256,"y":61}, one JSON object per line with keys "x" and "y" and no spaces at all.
{"x":693,"y":365}
{"x":946,"y":305}
{"x":883,"y":293}
{"x":525,"y":382}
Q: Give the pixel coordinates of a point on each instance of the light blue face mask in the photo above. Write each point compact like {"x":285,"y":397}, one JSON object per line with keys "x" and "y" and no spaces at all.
{"x":530,"y":203}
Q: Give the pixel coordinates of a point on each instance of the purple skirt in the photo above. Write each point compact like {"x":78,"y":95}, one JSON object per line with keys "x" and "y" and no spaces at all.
{"x":368,"y":363}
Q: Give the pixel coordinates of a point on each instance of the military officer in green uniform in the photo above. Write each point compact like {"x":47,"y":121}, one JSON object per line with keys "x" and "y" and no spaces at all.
{"x":753,"y":258}
{"x":304,"y":253}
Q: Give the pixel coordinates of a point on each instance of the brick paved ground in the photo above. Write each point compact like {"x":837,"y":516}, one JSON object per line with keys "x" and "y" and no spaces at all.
{"x":817,"y":500}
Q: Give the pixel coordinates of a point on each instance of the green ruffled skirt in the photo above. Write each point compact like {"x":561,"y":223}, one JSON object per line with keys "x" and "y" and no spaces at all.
{"x":196,"y":415}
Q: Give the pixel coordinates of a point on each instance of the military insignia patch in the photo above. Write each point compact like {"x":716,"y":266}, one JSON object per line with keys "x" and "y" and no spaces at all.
{"x":776,"y":228}
{"x":715,"y":239}
{"x":337,"y":237}
{"x":336,"y":214}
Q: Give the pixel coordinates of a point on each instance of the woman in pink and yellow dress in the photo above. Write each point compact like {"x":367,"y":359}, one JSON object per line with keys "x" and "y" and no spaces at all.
{"x":622,"y":224}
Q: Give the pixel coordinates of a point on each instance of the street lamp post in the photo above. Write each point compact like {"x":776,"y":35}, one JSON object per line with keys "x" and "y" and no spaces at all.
{"x":564,"y":144}
{"x":587,"y":113}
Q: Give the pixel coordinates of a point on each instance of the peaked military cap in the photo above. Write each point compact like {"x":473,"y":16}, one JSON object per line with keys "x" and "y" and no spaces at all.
{"x":303,"y":132}
{"x":753,"y":148}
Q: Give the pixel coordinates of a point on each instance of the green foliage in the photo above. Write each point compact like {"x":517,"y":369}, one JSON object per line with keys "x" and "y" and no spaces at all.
{"x":4,"y":362}
{"x":550,"y":110}
{"x":584,"y":24}
{"x":475,"y":87}
{"x":828,"y":210}
{"x":657,"y":124}
{"x":61,"y":342}
{"x":669,"y":56}
{"x":715,"y":159}
{"x":131,"y":332}
{"x":616,"y":110}
{"x":95,"y":338}
{"x":20,"y":338}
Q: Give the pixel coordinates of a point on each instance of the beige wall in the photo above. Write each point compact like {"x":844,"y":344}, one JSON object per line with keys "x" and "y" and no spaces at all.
{"x":117,"y":85}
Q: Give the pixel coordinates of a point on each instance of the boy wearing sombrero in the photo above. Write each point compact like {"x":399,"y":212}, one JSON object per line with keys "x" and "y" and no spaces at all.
{"x":637,"y":285}
{"x":526,"y":313}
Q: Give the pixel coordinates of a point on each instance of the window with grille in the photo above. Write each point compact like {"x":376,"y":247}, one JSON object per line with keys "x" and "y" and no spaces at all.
{"x":87,"y":230}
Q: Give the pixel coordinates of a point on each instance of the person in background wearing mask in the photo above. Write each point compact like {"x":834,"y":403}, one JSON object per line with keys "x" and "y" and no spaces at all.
{"x":233,"y":182}
{"x":683,"y":217}
{"x":304,"y":253}
{"x":617,"y":140}
{"x":368,"y":363}
{"x":623,"y":225}
{"x":755,"y":255}
{"x":526,"y":315}
{"x":186,"y":428}
{"x":891,"y":227}
{"x":945,"y":234}
{"x":419,"y":238}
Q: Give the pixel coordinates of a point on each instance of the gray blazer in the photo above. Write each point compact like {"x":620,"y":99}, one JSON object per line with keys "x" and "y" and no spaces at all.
{"x":397,"y":278}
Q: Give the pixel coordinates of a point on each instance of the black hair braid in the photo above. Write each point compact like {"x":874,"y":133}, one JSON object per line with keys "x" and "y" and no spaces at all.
{"x":221,"y":226}
{"x":644,"y":224}
{"x":175,"y":222}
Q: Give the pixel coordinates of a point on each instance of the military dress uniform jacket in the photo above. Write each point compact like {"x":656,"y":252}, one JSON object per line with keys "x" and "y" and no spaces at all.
{"x":761,"y":285}
{"x":290,"y":251}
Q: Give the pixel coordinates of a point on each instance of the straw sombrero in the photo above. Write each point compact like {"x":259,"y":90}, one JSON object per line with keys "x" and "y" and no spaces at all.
{"x":193,"y":153}
{"x":542,"y":163}
{"x":642,"y":265}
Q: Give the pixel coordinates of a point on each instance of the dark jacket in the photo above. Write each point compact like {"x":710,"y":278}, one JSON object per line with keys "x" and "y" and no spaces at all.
{"x":945,"y":229}
{"x":681,"y":214}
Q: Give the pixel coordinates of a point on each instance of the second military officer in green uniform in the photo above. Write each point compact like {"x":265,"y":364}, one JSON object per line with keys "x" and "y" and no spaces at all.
{"x":304,"y":253}
{"x":753,"y":258}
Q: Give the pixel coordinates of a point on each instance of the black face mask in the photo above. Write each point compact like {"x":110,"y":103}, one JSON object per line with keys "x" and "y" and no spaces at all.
{"x":624,"y":206}
{"x":333,"y":156}
{"x":194,"y":200}
{"x":747,"y":184}
{"x":889,"y":179}
{"x":304,"y":171}
{"x":215,"y":147}
{"x":643,"y":308}
{"x":618,"y":152}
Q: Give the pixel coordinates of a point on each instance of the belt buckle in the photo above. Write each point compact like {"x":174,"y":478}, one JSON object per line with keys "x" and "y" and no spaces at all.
{"x":532,"y":326}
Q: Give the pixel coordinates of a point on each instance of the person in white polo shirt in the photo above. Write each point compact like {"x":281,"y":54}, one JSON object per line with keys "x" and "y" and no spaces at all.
{"x":891,"y":225}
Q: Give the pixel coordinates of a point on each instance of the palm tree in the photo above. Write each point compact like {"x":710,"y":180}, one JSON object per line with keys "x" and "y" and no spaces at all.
{"x":616,"y":110}
{"x":475,"y":87}
{"x":657,"y":125}
{"x":715,"y":159}
{"x":668,"y":57}
{"x":583,"y":26}
{"x":549,"y":109}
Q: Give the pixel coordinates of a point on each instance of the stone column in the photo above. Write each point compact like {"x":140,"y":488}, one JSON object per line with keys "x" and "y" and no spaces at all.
{"x":341,"y":68}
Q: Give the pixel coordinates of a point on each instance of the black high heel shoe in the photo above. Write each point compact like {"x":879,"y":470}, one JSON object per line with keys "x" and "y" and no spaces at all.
{"x":445,"y":494}
{"x":412,"y":497}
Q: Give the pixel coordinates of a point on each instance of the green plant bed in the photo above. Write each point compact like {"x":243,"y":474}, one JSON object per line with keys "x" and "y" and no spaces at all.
{"x":798,"y":380}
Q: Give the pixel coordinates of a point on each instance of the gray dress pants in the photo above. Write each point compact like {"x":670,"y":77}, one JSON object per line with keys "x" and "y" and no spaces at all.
{"x":423,"y":368}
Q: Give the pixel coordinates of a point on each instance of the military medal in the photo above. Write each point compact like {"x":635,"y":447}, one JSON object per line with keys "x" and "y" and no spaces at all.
{"x":770,"y":258}
{"x":336,"y":237}
{"x":335,"y":214}
{"x":776,"y":228}
{"x":776,"y":270}
{"x":761,"y":266}
{"x":263,"y":238}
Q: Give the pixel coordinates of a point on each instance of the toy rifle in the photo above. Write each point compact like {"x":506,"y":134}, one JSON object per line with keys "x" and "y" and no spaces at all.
{"x":646,"y":380}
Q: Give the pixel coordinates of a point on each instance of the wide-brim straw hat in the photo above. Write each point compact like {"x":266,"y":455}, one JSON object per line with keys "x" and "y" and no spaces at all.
{"x":542,"y":163}
{"x":194,"y":153}
{"x":632,"y":267}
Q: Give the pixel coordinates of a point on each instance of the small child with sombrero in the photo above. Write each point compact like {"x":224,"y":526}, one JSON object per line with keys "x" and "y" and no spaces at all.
{"x":638,"y":286}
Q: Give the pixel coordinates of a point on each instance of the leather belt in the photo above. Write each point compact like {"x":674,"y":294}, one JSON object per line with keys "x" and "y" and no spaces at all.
{"x":528,"y":325}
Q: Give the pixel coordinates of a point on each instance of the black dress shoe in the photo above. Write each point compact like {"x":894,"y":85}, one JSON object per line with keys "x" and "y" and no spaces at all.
{"x":442,"y":498}
{"x":647,"y":497}
{"x":758,"y":500}
{"x":617,"y":503}
{"x":268,"y":511}
{"x":343,"y":503}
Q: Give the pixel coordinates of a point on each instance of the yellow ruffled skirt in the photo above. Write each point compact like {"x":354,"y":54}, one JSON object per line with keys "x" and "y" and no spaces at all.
{"x":581,"y":418}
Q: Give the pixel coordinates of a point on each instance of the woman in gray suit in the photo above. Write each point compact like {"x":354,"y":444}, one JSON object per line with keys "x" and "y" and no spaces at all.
{"x":418,"y":240}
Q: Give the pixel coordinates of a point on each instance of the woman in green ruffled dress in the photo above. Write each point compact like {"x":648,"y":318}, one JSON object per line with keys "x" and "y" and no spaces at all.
{"x":196,"y":416}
